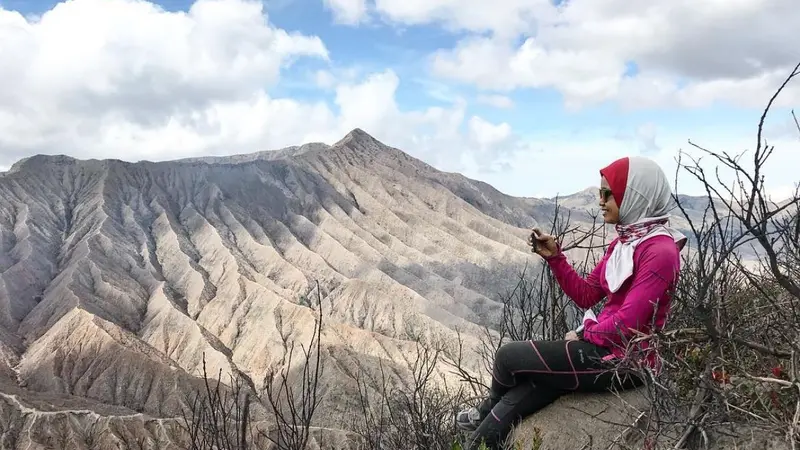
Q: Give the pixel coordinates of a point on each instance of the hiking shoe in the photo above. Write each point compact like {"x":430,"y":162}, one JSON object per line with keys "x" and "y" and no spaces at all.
{"x":469,"y":419}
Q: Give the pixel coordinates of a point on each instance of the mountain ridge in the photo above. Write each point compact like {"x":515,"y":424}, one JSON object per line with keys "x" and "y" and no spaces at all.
{"x":356,"y":139}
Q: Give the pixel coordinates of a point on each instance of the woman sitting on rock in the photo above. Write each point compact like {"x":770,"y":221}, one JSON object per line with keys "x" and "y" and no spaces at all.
{"x":636,"y":275}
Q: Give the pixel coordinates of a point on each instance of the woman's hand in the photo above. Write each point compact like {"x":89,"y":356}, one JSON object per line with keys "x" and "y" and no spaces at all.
{"x":542,"y":244}
{"x":572,"y":336}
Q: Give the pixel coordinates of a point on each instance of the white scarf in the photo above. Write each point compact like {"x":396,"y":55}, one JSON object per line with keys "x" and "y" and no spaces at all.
{"x":647,"y":198}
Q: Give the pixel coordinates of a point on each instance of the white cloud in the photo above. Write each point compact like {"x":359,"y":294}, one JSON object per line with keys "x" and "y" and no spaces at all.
{"x":486,"y":134}
{"x":497,"y":101}
{"x":324,"y":79}
{"x":126,"y":79}
{"x":506,"y":18}
{"x":349,"y":12}
{"x":644,"y":137}
{"x":562,"y":163}
{"x":688,"y":54}
{"x":369,"y":105}
{"x":583,"y":76}
{"x":90,"y":69}
{"x":658,"y":91}
{"x":438,"y":91}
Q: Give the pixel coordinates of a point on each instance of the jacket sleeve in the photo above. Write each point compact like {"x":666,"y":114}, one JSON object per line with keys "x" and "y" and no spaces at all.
{"x":655,"y":273}
{"x":584,"y":292}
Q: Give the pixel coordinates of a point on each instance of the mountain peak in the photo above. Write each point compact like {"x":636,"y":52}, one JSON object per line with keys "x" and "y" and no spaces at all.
{"x":358,"y":136}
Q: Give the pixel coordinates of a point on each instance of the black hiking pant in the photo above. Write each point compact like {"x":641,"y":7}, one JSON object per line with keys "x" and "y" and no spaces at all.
{"x":529,"y":375}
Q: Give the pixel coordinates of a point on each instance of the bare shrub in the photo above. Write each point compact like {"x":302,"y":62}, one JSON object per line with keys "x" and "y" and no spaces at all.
{"x":294,"y":399}
{"x":730,"y":355}
{"x":219,"y":416}
{"x":407,"y":412}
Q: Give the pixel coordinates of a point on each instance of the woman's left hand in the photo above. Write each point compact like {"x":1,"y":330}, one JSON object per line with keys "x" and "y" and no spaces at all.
{"x":571,"y":336}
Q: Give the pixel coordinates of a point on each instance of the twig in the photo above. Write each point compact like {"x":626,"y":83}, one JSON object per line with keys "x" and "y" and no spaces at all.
{"x":744,"y":411}
{"x":794,"y":429}
{"x":626,"y":432}
{"x":763,"y":348}
{"x":698,"y":405}
{"x":771,"y":380}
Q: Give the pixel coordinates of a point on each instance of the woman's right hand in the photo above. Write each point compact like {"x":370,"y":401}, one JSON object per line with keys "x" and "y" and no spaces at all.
{"x":542,"y":244}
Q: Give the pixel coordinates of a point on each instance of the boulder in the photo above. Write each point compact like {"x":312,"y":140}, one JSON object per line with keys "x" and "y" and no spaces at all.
{"x":604,"y":422}
{"x":576,"y":421}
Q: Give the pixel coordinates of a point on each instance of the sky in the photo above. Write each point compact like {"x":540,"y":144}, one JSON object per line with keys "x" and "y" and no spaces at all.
{"x":531,"y":96}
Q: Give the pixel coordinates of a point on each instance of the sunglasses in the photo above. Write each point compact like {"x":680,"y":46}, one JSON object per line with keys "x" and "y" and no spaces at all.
{"x":605,"y":193}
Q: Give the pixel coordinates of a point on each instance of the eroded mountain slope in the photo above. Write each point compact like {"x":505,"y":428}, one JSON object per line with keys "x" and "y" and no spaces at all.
{"x":116,"y":279}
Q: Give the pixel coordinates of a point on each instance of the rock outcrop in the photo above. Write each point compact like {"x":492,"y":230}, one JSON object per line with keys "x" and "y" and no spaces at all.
{"x":590,"y":421}
{"x":618,"y":421}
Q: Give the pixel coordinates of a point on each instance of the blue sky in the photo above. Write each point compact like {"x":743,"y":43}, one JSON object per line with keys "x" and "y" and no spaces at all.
{"x":567,"y":90}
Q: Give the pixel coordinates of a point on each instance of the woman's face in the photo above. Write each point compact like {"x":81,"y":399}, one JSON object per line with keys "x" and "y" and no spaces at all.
{"x":608,"y":206}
